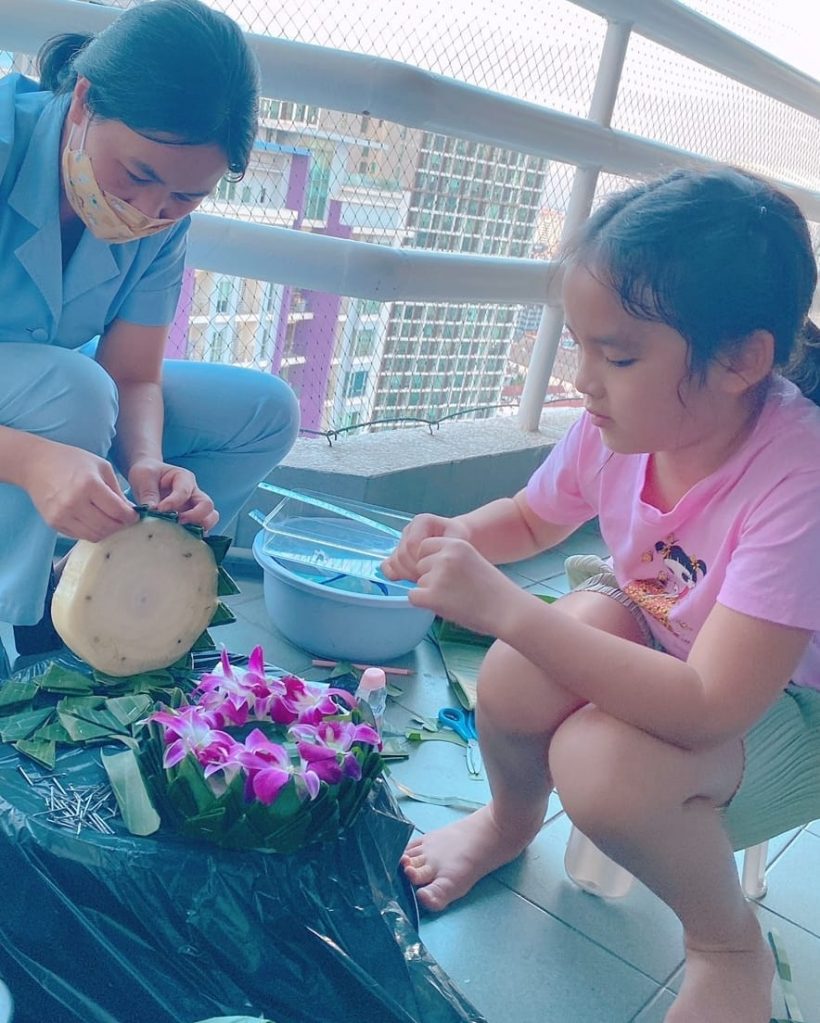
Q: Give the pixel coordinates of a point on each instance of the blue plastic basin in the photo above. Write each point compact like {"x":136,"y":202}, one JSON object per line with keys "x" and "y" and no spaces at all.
{"x":313,"y":612}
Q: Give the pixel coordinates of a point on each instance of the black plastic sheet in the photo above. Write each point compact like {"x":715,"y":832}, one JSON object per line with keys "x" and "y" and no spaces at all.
{"x":102,"y":928}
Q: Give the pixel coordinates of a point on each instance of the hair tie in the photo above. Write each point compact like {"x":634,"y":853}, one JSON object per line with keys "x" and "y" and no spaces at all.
{"x":762,"y":210}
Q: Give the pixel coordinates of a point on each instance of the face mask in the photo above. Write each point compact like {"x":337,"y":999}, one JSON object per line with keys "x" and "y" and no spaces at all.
{"x":105,"y":215}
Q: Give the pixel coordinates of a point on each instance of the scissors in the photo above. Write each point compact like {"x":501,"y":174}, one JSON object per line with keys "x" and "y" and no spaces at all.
{"x":463,"y":724}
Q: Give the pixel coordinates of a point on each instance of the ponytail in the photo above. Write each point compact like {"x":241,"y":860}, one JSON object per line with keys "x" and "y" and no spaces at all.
{"x":55,"y":61}
{"x":804,"y":368}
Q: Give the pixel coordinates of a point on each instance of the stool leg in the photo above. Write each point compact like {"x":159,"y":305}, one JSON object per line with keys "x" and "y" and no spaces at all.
{"x":753,"y":876}
{"x":591,"y":870}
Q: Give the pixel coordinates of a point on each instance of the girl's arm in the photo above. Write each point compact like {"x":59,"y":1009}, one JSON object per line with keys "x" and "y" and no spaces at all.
{"x":736,"y":668}
{"x":509,"y":530}
{"x":501,"y":531}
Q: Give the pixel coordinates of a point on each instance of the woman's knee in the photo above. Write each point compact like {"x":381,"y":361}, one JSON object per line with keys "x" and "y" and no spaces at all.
{"x":278,"y":407}
{"x":70,"y":399}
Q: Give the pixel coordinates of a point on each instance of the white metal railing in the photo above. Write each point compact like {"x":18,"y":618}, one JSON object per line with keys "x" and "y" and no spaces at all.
{"x":421,"y":99}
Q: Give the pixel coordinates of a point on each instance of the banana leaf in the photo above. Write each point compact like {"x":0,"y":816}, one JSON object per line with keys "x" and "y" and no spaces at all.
{"x":126,"y":780}
{"x":41,"y":751}
{"x":14,"y":694}
{"x":128,"y":709}
{"x":59,"y":679}
{"x":24,"y":724}
{"x":82,"y":731}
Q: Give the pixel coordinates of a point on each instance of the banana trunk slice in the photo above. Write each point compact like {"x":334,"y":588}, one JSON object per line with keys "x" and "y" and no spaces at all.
{"x":138,"y":600}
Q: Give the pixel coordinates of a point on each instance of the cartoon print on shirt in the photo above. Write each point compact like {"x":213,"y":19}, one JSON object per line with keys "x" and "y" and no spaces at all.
{"x":659,"y":595}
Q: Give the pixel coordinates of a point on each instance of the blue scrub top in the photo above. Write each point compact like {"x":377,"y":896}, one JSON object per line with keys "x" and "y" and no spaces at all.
{"x":136,"y":281}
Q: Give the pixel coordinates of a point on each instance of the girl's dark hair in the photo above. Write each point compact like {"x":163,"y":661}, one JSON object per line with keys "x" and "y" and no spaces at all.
{"x":166,"y":68}
{"x":715,"y":255}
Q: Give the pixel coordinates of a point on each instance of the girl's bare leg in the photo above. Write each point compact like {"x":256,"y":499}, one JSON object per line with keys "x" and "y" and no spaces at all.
{"x":652,"y":807}
{"x":519,"y":710}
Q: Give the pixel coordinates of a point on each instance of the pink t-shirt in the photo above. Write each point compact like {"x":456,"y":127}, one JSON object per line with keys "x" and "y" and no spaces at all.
{"x":747,"y":536}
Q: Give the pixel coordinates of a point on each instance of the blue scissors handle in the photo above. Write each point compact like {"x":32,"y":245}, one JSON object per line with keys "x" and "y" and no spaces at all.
{"x":459,"y":721}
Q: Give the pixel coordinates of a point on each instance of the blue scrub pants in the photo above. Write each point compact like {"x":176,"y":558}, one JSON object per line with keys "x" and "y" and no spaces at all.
{"x":230,"y":426}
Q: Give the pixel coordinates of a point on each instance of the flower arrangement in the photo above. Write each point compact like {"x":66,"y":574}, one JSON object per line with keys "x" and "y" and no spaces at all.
{"x":257,"y":761}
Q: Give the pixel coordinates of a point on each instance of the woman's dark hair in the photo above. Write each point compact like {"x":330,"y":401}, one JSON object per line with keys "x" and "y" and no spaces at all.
{"x":166,"y":68}
{"x":715,"y":255}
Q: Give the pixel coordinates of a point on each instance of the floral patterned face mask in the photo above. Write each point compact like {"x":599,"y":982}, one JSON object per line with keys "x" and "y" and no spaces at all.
{"x":106,"y":216}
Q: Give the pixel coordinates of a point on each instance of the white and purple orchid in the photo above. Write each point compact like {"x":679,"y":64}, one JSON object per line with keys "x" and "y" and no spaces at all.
{"x":191,"y":730}
{"x":328,"y":747}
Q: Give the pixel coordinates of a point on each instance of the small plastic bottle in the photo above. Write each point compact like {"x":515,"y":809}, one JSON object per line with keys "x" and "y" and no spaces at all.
{"x":372,"y":690}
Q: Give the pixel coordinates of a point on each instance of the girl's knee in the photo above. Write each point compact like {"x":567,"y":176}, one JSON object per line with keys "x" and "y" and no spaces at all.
{"x":597,"y":764}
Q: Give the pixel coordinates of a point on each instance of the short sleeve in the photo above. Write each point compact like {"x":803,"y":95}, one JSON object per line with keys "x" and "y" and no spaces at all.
{"x":152,"y":301}
{"x":555,"y":491}
{"x":773,"y":572}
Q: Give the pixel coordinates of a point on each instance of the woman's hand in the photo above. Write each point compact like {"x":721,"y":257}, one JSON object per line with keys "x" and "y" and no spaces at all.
{"x":403,"y":562}
{"x":456,"y":582}
{"x":168,"y":488}
{"x":75,"y":492}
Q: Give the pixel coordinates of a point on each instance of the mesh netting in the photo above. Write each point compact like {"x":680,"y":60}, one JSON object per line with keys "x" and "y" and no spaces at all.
{"x":352,"y":360}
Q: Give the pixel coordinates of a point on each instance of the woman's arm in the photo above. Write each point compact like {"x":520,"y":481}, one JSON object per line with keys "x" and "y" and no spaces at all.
{"x":76,"y":493}
{"x":132,"y":355}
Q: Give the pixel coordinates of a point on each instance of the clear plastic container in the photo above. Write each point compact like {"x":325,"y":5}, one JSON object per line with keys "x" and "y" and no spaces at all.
{"x":340,"y":543}
{"x":592,"y":870}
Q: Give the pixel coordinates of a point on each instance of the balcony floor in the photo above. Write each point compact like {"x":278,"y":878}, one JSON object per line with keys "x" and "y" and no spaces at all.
{"x":564,"y":955}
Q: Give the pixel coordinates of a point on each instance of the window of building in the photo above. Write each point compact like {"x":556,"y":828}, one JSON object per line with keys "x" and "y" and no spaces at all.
{"x":224,"y":287}
{"x":364,"y":340}
{"x":226,"y":190}
{"x":355,"y":383}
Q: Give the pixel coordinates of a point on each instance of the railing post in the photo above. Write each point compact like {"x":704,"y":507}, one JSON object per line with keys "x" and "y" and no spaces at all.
{"x":601,"y":106}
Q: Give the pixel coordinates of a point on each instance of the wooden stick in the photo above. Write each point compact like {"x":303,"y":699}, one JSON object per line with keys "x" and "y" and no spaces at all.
{"x":319,"y":663}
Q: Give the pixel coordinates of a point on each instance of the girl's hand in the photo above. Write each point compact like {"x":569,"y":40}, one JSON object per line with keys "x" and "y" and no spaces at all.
{"x":169,"y":488}
{"x":75,"y":492}
{"x":403,"y":562}
{"x":456,"y":582}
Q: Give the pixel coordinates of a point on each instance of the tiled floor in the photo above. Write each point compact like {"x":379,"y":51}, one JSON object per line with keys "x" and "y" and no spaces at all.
{"x":526,"y":945}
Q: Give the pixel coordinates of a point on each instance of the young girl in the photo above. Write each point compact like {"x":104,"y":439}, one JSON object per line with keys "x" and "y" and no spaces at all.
{"x":673,"y":702}
{"x":101,"y":163}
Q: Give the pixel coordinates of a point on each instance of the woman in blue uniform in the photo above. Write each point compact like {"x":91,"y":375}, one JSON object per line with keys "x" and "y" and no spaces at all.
{"x":101,"y":163}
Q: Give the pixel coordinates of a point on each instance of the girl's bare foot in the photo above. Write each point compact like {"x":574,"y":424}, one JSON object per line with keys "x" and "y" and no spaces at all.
{"x":726,"y":985}
{"x":446,"y":863}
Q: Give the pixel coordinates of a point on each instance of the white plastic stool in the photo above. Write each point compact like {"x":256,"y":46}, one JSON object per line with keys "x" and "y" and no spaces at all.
{"x":597,"y":874}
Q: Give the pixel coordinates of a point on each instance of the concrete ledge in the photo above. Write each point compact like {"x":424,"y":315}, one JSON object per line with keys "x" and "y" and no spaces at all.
{"x":458,"y":466}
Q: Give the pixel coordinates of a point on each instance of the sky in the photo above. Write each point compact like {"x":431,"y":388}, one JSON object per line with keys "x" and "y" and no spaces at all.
{"x":405,"y":28}
{"x":547,"y":51}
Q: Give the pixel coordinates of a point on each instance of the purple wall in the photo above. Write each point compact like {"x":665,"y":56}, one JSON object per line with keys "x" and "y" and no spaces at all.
{"x":315,"y":338}
{"x":176,"y":346}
